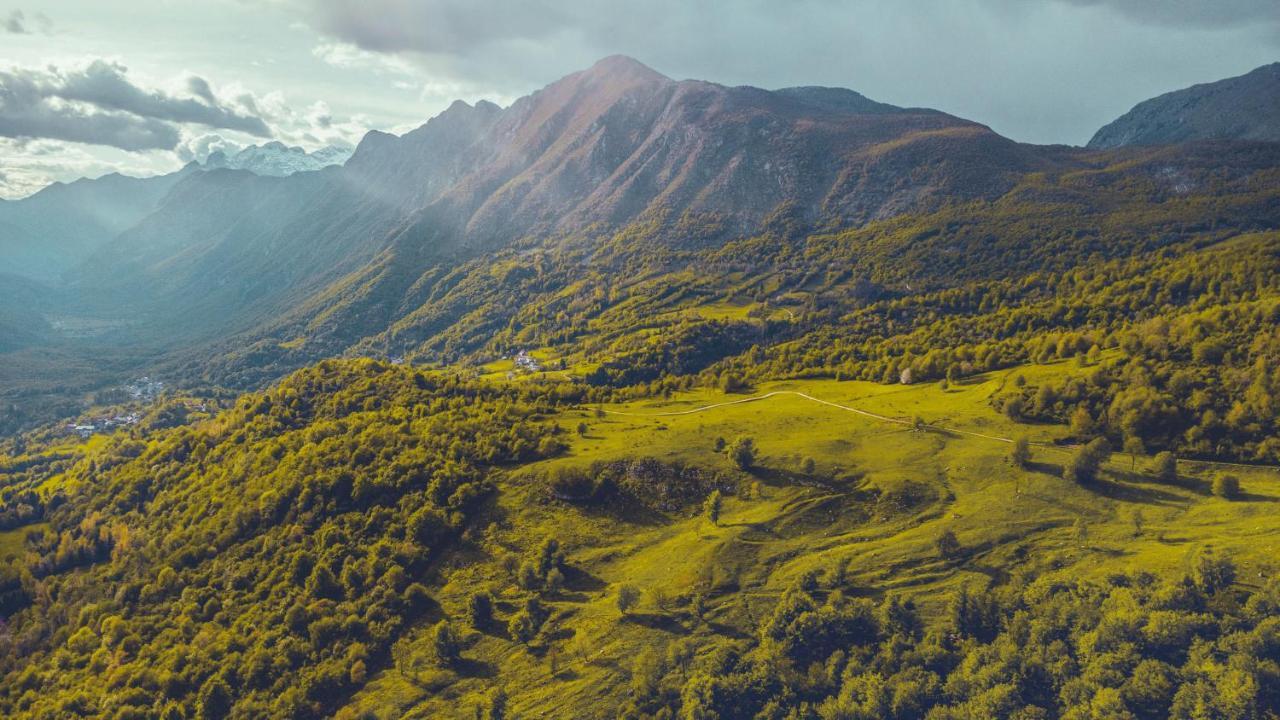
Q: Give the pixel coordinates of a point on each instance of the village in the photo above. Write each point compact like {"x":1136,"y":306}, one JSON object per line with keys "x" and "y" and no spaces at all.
{"x":142,"y":390}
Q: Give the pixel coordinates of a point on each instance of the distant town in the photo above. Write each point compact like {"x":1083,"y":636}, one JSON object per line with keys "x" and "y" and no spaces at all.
{"x":142,"y":390}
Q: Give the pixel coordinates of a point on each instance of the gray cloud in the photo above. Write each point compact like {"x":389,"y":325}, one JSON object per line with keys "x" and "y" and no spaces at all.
{"x":1192,"y":13}
{"x":29,"y":110}
{"x":99,"y":105}
{"x":16,"y":22}
{"x":104,"y":84}
{"x":200,"y":88}
{"x":1050,"y":71}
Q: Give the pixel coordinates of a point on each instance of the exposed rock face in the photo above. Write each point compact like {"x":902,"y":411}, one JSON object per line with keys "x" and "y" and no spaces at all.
{"x":1239,"y":108}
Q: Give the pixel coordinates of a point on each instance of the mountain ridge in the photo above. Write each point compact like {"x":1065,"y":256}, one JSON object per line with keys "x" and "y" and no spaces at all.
{"x":1246,"y":107}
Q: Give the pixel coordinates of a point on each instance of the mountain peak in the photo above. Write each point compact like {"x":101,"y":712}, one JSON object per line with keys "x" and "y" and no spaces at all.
{"x":623,"y":66}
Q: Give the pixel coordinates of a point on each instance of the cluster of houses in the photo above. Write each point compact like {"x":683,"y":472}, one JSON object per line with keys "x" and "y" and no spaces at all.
{"x":144,"y":389}
{"x":103,"y":423}
{"x":528,"y":363}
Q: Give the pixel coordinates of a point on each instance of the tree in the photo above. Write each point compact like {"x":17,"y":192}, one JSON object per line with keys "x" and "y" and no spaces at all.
{"x":1083,"y":467}
{"x":1165,"y":467}
{"x":659,"y":598}
{"x":1082,"y":424}
{"x":698,"y":606}
{"x":444,"y":644}
{"x":1134,"y":447}
{"x":948,"y":545}
{"x":555,"y":581}
{"x":1139,"y":521}
{"x":529,"y":578}
{"x":1226,"y":486}
{"x":720,"y":444}
{"x":1020,"y":453}
{"x":807,"y":466}
{"x":497,"y":705}
{"x":1213,"y":573}
{"x":731,"y":382}
{"x":712,"y":505}
{"x":522,"y":628}
{"x":743,"y":453}
{"x":480,"y":609}
{"x":628,"y":596}
{"x":322,"y":583}
{"x":582,"y":429}
{"x":214,"y":701}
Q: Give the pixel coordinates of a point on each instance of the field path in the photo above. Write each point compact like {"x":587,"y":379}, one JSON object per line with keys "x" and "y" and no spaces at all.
{"x":888,"y":419}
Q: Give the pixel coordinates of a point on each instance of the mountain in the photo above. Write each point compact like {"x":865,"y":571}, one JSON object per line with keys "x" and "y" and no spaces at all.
{"x":275,"y":159}
{"x":595,"y":152}
{"x":1239,"y":108}
{"x":451,"y":241}
{"x":44,"y":235}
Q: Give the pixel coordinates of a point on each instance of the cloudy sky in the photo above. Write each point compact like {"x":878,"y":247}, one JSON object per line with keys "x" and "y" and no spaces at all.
{"x":89,"y":87}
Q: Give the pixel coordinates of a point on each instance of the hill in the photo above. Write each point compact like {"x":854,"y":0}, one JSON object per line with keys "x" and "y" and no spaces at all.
{"x":1239,"y":108}
{"x":416,"y":542}
{"x":578,"y":408}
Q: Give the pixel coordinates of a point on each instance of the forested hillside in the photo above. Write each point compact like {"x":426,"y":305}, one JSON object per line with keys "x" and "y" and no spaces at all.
{"x":933,"y":517}
{"x":660,"y":399}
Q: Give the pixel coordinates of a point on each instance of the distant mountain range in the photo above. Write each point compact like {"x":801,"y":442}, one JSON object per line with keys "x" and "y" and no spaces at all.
{"x":279,"y":253}
{"x":1239,"y":108}
{"x":46,"y":234}
{"x":275,"y":159}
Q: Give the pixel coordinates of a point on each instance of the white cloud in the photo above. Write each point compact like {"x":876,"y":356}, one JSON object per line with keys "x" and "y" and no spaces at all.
{"x":347,"y":56}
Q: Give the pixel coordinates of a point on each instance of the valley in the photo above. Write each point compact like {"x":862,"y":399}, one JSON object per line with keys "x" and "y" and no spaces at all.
{"x":650,"y":398}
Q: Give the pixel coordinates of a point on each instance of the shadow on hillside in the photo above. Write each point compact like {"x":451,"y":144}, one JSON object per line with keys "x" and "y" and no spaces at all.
{"x":656,"y":621}
{"x":620,"y":507}
{"x":778,"y":477}
{"x":1045,"y":468}
{"x":1256,"y":497}
{"x":995,"y":575}
{"x":759,"y":527}
{"x":467,"y":667}
{"x":1131,"y":493}
{"x":728,"y":631}
{"x":579,"y":580}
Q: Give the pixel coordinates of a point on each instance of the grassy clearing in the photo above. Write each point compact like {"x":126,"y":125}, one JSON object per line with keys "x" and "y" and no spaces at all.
{"x":13,"y":542}
{"x":879,"y":497}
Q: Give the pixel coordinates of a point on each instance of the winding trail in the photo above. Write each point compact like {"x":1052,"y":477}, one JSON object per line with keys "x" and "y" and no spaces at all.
{"x":820,"y":401}
{"x":894,"y":420}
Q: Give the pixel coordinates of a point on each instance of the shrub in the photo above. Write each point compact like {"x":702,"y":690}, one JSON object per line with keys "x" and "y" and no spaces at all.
{"x":1020,"y":453}
{"x":711,"y":508}
{"x":948,"y":545}
{"x":1165,"y":467}
{"x":743,"y":453}
{"x":628,"y":596}
{"x":1226,"y":486}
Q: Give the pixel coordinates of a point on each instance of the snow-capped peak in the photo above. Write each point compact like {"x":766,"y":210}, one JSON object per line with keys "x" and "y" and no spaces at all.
{"x":277,"y":159}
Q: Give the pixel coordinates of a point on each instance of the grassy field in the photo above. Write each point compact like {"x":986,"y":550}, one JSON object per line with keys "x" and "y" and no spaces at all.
{"x":880,"y":495}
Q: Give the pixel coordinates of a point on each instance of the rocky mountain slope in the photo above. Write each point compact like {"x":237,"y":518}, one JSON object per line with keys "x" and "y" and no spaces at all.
{"x":1239,"y":108}
{"x":597,"y":151}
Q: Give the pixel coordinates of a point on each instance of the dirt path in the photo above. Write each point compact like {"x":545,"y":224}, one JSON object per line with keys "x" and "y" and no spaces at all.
{"x":896,"y":421}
